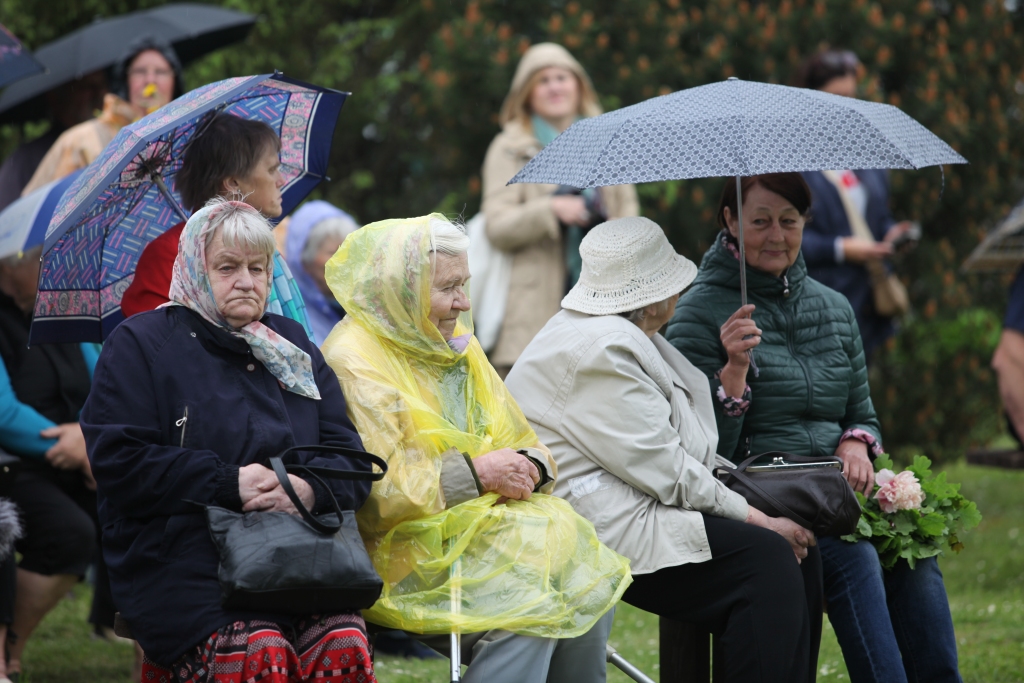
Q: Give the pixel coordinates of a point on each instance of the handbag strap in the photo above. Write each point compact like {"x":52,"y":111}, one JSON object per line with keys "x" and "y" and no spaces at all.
{"x":317,"y":473}
{"x":779,"y":506}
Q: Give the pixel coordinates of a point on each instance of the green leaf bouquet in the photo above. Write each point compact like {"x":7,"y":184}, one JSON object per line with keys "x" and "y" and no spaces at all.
{"x":914,"y":514}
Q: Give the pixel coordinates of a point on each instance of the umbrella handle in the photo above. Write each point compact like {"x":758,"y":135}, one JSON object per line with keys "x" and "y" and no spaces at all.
{"x":743,"y":252}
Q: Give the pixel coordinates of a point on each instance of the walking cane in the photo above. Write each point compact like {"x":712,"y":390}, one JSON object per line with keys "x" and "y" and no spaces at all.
{"x":455,"y":660}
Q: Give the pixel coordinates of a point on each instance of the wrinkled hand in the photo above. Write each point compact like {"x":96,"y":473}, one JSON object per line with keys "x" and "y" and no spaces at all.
{"x":507,"y":473}
{"x":799,"y":538}
{"x":69,"y":452}
{"x":858,"y":250}
{"x":734,"y":330}
{"x":857,"y":467}
{"x":570,"y":209}
{"x":255,"y":480}
{"x":276,"y":500}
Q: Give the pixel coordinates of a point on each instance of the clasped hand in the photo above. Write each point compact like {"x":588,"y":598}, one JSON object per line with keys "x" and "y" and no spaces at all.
{"x":507,"y":473}
{"x":261,"y":491}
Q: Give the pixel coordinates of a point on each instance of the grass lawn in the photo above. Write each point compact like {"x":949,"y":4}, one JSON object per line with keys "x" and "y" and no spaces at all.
{"x":984,"y":583}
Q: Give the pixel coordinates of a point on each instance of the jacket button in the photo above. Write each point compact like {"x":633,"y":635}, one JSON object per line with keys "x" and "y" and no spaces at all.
{"x":192,"y":334}
{"x":250,"y":367}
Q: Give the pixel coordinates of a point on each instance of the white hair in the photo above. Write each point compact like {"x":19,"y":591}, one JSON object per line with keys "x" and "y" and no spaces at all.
{"x":239,"y":224}
{"x":337,"y":227}
{"x":638,"y":315}
{"x":448,"y":238}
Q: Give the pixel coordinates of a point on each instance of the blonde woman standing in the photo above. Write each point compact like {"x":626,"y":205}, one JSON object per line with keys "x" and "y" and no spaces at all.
{"x":541,"y":226}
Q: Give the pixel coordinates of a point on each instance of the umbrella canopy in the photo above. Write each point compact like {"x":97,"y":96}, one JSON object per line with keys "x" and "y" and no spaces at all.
{"x":193,"y":30}
{"x":1002,"y":249}
{"x":125,"y":198}
{"x":16,"y":62}
{"x":735,"y":128}
{"x":23,"y":223}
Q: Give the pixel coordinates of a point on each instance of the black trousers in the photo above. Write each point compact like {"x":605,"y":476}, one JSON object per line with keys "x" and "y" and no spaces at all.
{"x":61,"y":536}
{"x":763,"y":609}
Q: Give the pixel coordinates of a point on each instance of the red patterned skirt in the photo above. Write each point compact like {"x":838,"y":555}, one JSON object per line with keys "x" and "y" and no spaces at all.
{"x":330,"y":649}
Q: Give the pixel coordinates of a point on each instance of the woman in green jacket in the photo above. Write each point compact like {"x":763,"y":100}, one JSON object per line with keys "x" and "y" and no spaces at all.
{"x":807,"y":393}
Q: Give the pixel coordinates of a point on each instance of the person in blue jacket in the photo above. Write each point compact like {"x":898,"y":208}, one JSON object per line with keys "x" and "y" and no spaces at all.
{"x":189,"y":400}
{"x":834,"y":254}
{"x":42,"y":391}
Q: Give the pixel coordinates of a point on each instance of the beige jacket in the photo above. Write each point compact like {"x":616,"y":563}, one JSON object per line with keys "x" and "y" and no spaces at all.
{"x":631,"y":427}
{"x":78,"y":146}
{"x":520,"y":220}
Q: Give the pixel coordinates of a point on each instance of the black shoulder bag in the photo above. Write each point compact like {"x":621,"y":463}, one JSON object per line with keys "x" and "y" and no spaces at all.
{"x":810,"y":491}
{"x":280,"y":562}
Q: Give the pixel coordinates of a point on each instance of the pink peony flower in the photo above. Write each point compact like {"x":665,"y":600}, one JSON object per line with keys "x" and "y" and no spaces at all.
{"x":898,"y":491}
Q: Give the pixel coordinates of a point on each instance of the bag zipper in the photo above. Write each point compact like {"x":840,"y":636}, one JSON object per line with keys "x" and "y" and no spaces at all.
{"x":183,"y":423}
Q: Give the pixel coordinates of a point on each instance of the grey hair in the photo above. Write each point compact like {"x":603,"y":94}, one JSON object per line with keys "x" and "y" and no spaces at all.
{"x":239,"y":224}
{"x":638,"y":315}
{"x":338,"y":227}
{"x":448,"y":238}
{"x":14,"y":259}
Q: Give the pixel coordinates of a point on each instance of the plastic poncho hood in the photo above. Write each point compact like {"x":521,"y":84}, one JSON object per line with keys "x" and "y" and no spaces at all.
{"x":532,"y":567}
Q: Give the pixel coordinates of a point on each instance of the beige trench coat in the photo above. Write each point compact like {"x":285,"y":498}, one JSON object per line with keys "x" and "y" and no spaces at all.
{"x":520,"y":221}
{"x":631,"y":427}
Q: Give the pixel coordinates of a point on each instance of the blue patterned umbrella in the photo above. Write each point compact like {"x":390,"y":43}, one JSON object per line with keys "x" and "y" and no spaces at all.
{"x":16,"y":62}
{"x":735,"y":128}
{"x":126,"y":197}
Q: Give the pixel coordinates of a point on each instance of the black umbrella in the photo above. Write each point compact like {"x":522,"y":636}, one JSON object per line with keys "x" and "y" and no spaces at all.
{"x":193,"y":30}
{"x":16,"y":62}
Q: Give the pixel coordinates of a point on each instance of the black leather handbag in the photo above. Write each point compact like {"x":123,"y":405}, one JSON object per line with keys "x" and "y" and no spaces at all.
{"x":810,"y":491}
{"x":280,"y":562}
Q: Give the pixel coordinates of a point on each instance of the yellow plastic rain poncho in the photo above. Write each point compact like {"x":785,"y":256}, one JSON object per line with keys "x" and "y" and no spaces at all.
{"x":532,"y":567}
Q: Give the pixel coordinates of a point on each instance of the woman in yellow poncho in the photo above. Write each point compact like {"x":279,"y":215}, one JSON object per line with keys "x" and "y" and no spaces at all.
{"x":461,"y":529}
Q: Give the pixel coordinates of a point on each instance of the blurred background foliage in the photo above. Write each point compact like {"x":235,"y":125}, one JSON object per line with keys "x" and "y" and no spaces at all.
{"x":428,"y":78}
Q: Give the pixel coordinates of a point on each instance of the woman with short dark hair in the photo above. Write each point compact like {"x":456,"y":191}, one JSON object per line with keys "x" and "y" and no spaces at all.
{"x":810,"y":397}
{"x":229,"y":157}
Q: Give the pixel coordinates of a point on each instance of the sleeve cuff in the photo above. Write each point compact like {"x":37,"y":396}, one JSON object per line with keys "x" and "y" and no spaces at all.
{"x":321,"y":496}
{"x":837,"y":248}
{"x":459,"y":480}
{"x":874,"y":446}
{"x":545,"y":478}
{"x":226,"y":493}
{"x":731,"y":405}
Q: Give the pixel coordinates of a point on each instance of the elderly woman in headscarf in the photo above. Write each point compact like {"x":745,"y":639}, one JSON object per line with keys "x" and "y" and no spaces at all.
{"x":541,"y":225}
{"x":189,"y":400}
{"x":315,"y":232}
{"x":461,"y":530}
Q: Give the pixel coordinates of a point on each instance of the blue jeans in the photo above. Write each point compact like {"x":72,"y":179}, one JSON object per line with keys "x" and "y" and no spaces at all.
{"x":893,"y":626}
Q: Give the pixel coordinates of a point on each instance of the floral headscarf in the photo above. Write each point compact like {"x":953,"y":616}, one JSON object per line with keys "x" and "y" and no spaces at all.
{"x":190,"y":287}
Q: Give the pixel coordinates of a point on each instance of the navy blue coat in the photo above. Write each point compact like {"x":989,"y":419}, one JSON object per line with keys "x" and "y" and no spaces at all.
{"x":828,"y":221}
{"x":148,"y":461}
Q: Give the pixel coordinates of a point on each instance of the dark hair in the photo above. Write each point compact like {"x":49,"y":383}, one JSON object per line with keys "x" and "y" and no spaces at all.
{"x":790,"y":186}
{"x":119,"y":80}
{"x":226,"y":146}
{"x":822,"y":67}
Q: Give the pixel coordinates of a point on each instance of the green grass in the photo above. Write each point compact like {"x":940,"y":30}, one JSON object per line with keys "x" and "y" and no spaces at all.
{"x":984,"y":583}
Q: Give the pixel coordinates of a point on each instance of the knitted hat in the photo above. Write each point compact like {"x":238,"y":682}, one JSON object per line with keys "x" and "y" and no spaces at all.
{"x":628,"y":263}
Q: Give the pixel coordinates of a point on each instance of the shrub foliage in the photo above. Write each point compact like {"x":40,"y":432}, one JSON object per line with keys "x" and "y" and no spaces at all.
{"x":428,"y":78}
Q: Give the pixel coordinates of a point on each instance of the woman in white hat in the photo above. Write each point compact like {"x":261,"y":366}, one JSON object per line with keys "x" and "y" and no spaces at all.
{"x":540,"y":225}
{"x":631,"y":426}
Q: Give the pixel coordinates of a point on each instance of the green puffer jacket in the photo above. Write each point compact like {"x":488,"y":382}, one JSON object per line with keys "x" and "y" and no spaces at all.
{"x":812,"y":385}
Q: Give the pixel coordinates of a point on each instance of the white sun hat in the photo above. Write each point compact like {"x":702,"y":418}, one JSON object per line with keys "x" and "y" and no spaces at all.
{"x":628,"y":263}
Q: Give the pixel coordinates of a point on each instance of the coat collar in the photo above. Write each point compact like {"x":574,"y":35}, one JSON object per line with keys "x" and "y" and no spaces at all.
{"x":209,"y":334}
